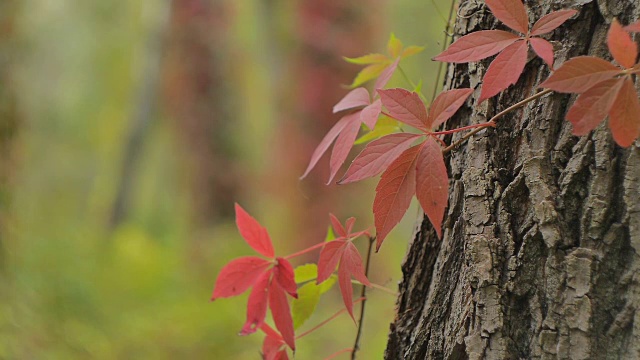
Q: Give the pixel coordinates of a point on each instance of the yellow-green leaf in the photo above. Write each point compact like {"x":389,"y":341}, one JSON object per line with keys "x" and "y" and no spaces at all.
{"x":368,"y":59}
{"x":369,"y":73}
{"x":411,"y":50}
{"x":384,"y":126}
{"x":330,"y":235}
{"x":394,"y":46}
{"x":306,"y":272}
{"x":303,"y":307}
{"x":328,"y":284}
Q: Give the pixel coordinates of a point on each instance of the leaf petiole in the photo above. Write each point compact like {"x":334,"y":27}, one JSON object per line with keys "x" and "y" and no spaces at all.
{"x":304,"y":251}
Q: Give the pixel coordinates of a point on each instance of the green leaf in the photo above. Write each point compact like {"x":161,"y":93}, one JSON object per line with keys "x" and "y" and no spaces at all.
{"x":330,"y":235}
{"x":385,"y":126}
{"x":303,"y":307}
{"x":328,"y":284}
{"x":306,"y":272}
{"x":369,"y":73}
{"x":368,"y":59}
{"x":418,"y":87}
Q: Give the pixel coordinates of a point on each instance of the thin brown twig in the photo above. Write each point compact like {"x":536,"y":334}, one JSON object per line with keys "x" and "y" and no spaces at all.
{"x":363,"y":294}
{"x":496,"y":117}
{"x":444,"y":47}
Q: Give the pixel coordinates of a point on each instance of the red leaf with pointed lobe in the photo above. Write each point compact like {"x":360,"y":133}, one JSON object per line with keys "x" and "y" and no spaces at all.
{"x":543,"y":49}
{"x":238,"y":275}
{"x":352,"y":260}
{"x":329,"y":258}
{"x":593,"y":105}
{"x":404,"y":106}
{"x":511,"y":12}
{"x":344,"y":280}
{"x":254,"y":233}
{"x":377,"y":156}
{"x":580,"y":74}
{"x":283,"y":273}
{"x":551,"y":21}
{"x":477,"y":46}
{"x":369,"y":115}
{"x":337,"y":226}
{"x":257,"y":304}
{"x":272,"y":345}
{"x":343,"y":144}
{"x":432,"y":183}
{"x":349,"y":225}
{"x":623,"y":49}
{"x":635,"y":27}
{"x":505,"y":70}
{"x":354,"y":98}
{"x":326,"y":142}
{"x":445,"y":105}
{"x":385,"y":76}
{"x":624,"y":117}
{"x":394,"y":192}
{"x":279,"y":305}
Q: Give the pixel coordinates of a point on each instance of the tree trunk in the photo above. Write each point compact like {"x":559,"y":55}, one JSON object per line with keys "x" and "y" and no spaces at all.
{"x":539,"y":258}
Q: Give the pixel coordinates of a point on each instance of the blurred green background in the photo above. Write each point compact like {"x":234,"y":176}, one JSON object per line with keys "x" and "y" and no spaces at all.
{"x":127,"y":131}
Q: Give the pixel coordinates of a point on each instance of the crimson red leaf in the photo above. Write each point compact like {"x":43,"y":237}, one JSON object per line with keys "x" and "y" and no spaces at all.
{"x":394,"y":192}
{"x":281,"y":313}
{"x":544,"y":49}
{"x":624,"y":117}
{"x":385,"y":76}
{"x":349,"y":224}
{"x":504,"y":70}
{"x":377,"y":156}
{"x":593,"y":105}
{"x":326,"y":142}
{"x":445,"y":105}
{"x":551,"y":21}
{"x":635,"y":27}
{"x":353,"y":262}
{"x":621,"y":46}
{"x":511,"y":12}
{"x":254,"y":233}
{"x":369,"y":115}
{"x":283,"y":273}
{"x":477,"y":46}
{"x":337,"y":226}
{"x":329,"y":258}
{"x":344,"y":280}
{"x":238,"y":275}
{"x":579,"y":74}
{"x":432,"y":183}
{"x":272,"y":345}
{"x":257,"y":304}
{"x":405,"y":106}
{"x":343,"y":144}
{"x":355,"y":98}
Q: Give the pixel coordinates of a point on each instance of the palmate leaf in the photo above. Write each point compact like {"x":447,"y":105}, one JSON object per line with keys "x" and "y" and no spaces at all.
{"x":504,"y":70}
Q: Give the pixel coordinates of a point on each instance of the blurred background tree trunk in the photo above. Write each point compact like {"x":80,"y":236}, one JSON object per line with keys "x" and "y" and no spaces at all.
{"x":539,"y":257}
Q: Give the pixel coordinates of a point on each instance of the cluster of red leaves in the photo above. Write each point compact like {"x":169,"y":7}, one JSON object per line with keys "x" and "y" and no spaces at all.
{"x":406,"y":169}
{"x":341,"y":250}
{"x":604,"y":88}
{"x":271,"y":280}
{"x":273,"y":346}
{"x":507,"y":67}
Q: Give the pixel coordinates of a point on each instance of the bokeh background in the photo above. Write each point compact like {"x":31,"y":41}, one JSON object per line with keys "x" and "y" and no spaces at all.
{"x":127,"y":131}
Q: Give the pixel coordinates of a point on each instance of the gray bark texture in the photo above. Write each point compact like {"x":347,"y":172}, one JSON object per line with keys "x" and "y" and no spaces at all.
{"x":539,"y":258}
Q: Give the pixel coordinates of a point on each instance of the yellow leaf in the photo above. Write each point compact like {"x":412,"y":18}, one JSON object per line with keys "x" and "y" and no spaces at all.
{"x":394,"y":46}
{"x":369,"y":73}
{"x":367,"y":59}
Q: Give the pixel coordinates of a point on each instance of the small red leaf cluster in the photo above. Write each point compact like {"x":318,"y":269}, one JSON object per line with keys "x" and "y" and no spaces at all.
{"x":271,"y":280}
{"x":506,"y":68}
{"x":604,"y":88}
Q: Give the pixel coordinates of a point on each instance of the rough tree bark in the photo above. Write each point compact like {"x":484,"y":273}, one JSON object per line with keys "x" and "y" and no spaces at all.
{"x":539,"y":258}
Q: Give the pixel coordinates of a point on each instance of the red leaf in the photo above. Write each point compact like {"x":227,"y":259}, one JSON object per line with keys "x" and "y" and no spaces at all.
{"x":624,"y":117}
{"x":349,"y":224}
{"x":281,"y":313}
{"x":579,"y":74}
{"x":621,"y":46}
{"x":635,"y":27}
{"x":353,"y":262}
{"x":504,"y":70}
{"x":344,"y":280}
{"x":385,"y":76}
{"x":257,"y":305}
{"x":254,"y":233}
{"x":377,"y":156}
{"x":369,"y":115}
{"x":432,"y":183}
{"x":405,"y":106}
{"x":329,"y":258}
{"x":511,"y":12}
{"x":445,"y":105}
{"x":355,"y":98}
{"x":477,"y":46}
{"x":337,"y":226}
{"x":543,"y":49}
{"x":283,"y":273}
{"x":343,"y":144}
{"x":272,"y":345}
{"x":394,"y":192}
{"x":238,"y":275}
{"x":326,"y":142}
{"x":593,"y":105}
{"x":551,"y":21}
